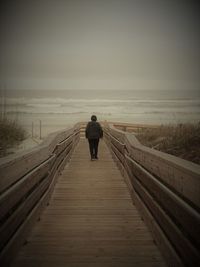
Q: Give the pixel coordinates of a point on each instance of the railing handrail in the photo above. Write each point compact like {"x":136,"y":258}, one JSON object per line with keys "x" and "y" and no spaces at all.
{"x":170,"y":208}
{"x":172,"y":214}
{"x":24,"y":192}
{"x":15,"y":166}
{"x":185,"y":166}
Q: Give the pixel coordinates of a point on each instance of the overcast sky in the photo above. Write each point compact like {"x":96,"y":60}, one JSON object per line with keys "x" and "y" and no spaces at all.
{"x":105,"y":44}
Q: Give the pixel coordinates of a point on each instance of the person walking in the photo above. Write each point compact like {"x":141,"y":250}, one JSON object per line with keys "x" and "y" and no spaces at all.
{"x":93,"y":132}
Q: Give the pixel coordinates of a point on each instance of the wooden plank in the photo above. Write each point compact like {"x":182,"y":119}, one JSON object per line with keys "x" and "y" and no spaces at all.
{"x":165,"y":246}
{"x":62,"y":135}
{"x":170,"y":255}
{"x":119,"y":161}
{"x":188,"y":252}
{"x":117,"y":134}
{"x":120,"y":146}
{"x":59,"y":158}
{"x":62,"y":155}
{"x":11,"y":197}
{"x":90,"y":220}
{"x":119,"y":155}
{"x":179,"y":174}
{"x":156,"y":177}
{"x":20,"y":214}
{"x":182,"y":176}
{"x":61,"y":146}
{"x":185,"y":216}
{"x":14,"y":167}
{"x":12,"y":247}
{"x":132,"y":126}
{"x":17,"y":222}
{"x":131,"y":141}
{"x":13,"y":170}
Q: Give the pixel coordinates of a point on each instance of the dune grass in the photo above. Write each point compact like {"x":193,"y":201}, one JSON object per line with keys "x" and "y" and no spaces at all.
{"x":11,"y":134}
{"x":181,"y":140}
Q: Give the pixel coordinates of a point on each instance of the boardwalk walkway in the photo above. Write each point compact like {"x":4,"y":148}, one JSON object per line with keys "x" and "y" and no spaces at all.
{"x":90,"y":220}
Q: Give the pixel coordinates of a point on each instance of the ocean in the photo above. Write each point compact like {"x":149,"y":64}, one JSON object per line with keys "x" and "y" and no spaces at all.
{"x":58,"y":109}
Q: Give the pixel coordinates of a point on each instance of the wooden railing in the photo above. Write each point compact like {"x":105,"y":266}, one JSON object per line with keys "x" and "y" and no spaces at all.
{"x":166,"y":190}
{"x":130,"y":127}
{"x":26,"y":183}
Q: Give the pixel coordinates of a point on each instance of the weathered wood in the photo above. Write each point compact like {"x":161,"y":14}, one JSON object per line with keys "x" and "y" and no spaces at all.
{"x":131,"y":141}
{"x":163,"y":243}
{"x":131,"y":127}
{"x":119,"y":161}
{"x":170,"y":255}
{"x":61,"y":146}
{"x":20,"y":236}
{"x":18,"y":199}
{"x":91,"y":204}
{"x":20,"y":214}
{"x":117,"y":134}
{"x":90,"y":220}
{"x":11,"y":197}
{"x":166,"y":185}
{"x":119,"y":155}
{"x":13,"y":170}
{"x":118,"y":145}
{"x":62,"y":155}
{"x":185,"y":216}
{"x":14,"y":167}
{"x":188,"y":252}
{"x":182,"y":176}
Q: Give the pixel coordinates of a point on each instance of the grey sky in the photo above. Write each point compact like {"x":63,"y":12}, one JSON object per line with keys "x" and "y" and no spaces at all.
{"x":100,"y":44}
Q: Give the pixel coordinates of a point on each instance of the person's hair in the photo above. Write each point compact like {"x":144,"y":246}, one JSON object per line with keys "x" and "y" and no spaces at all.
{"x":93,"y":118}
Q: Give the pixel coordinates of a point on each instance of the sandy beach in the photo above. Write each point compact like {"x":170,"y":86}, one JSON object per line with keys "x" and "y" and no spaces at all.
{"x":25,"y":145}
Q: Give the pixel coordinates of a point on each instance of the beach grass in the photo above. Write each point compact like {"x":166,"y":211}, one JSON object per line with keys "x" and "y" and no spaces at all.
{"x":11,"y":134}
{"x":181,"y":140}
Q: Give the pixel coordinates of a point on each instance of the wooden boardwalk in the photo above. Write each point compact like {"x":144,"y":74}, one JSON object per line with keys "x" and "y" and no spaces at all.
{"x":90,"y":220}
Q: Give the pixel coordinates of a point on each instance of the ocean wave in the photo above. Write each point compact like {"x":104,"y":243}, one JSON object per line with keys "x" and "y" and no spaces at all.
{"x":47,"y":112}
{"x":43,"y":105}
{"x":103,"y":113}
{"x":65,"y":101}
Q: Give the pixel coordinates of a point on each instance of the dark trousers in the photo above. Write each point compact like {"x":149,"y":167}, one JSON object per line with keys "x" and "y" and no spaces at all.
{"x":93,"y":143}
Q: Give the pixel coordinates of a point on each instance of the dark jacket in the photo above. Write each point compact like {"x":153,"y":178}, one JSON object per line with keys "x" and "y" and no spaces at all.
{"x":93,"y":130}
